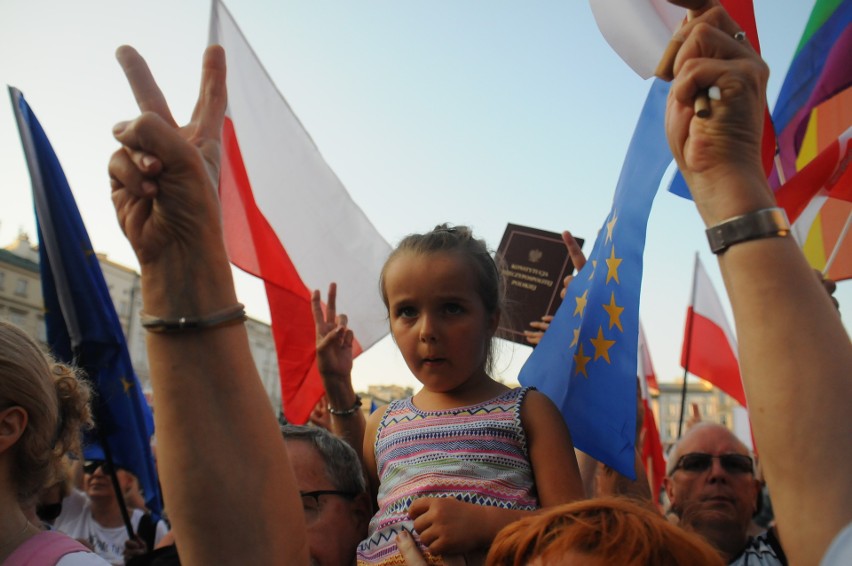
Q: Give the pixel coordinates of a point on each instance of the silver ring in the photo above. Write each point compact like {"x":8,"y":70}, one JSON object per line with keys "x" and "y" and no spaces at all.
{"x":740,"y":36}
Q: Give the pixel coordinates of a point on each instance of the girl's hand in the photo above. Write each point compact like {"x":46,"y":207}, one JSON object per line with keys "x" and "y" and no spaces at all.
{"x":334,"y":339}
{"x":449,"y":526}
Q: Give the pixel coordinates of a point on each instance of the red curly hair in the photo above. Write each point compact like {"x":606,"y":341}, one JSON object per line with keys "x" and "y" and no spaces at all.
{"x":614,"y":530}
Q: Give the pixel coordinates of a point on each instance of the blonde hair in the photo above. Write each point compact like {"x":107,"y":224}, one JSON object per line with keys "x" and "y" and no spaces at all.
{"x":56,"y":401}
{"x":616,"y":530}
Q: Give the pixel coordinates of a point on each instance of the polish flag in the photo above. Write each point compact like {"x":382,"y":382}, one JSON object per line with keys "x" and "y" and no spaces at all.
{"x":289,"y":220}
{"x":709,"y":347}
{"x":652,"y":446}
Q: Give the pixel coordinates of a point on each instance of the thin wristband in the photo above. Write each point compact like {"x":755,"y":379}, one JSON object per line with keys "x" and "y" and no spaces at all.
{"x":346,"y":412}
{"x":763,"y":223}
{"x":231,"y":315}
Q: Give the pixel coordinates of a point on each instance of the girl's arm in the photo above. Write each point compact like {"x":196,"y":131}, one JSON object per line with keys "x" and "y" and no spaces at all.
{"x":557,"y":475}
{"x":369,"y":454}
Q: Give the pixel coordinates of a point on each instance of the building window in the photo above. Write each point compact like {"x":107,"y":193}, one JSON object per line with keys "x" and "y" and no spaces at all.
{"x":21,"y":288}
{"x":2,"y":277}
{"x":41,"y":330}
{"x":18,"y":318}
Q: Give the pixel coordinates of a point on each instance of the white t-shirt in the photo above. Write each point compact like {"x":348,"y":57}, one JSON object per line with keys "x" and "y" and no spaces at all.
{"x":76,"y":521}
{"x":840,"y":551}
{"x":82,"y":559}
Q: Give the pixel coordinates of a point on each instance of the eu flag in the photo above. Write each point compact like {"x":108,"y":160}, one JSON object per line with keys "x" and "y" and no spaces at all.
{"x":82,"y":325}
{"x":586,"y":361}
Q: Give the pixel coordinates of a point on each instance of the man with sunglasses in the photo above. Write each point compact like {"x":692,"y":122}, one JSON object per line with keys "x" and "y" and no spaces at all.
{"x":93,"y":516}
{"x":713,"y":491}
{"x":334,"y":493}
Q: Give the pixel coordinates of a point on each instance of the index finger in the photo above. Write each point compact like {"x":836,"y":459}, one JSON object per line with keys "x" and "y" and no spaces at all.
{"x":331,"y":306}
{"x":578,"y":258}
{"x":209,"y":112}
{"x":148,"y":95}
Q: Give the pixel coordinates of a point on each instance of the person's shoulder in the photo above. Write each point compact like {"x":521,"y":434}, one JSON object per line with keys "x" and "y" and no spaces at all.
{"x":74,"y":511}
{"x":763,"y":550}
{"x":840,"y":551}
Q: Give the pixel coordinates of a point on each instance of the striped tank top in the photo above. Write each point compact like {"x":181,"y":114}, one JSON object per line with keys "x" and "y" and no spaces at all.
{"x":477,"y":454}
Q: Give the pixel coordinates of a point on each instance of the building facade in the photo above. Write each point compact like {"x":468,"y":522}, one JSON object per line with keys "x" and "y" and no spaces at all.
{"x":713,"y":406}
{"x":21,"y":304}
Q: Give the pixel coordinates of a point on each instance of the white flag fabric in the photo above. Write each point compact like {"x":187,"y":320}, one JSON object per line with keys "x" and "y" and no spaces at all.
{"x":289,"y":220}
{"x":638,"y":30}
{"x":709,"y":347}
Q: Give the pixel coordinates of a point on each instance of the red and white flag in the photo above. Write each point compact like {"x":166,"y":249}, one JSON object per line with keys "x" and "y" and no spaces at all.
{"x":289,"y":220}
{"x":709,"y":347}
{"x":652,"y":446}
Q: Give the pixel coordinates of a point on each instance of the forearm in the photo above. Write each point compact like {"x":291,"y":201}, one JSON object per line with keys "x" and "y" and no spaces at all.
{"x":341,"y":397}
{"x":218,"y":440}
{"x":795,"y":359}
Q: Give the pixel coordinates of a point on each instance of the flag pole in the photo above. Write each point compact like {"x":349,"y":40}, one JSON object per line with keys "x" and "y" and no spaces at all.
{"x":836,"y":249}
{"x":688,"y":339}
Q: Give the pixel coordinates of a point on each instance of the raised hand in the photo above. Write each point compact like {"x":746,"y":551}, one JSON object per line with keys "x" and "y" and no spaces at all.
{"x":578,"y":258}
{"x":334,"y":339}
{"x":164,"y":178}
{"x":724,"y":147}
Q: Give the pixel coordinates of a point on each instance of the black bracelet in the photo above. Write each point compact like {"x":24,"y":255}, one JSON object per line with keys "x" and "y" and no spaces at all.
{"x":350,"y":411}
{"x":231,"y":315}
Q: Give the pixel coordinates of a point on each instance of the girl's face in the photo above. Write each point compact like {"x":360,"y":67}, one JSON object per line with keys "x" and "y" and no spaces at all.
{"x":438,"y":319}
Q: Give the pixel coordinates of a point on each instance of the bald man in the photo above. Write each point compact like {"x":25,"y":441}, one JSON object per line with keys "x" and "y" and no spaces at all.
{"x":713,"y":491}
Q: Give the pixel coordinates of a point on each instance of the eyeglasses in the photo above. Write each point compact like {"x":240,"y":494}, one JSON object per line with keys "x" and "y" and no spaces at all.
{"x":696,"y":462}
{"x":311,"y":501}
{"x":91,"y":466}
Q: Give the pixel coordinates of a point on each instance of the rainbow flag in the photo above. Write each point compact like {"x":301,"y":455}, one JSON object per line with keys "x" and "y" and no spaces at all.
{"x":812,"y":116}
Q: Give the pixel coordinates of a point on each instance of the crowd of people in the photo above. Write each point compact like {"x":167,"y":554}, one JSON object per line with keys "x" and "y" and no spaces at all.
{"x":466,"y":471}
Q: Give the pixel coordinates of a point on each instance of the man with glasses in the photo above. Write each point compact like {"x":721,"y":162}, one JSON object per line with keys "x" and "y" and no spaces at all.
{"x":334,"y":495}
{"x":713,"y":491}
{"x":93,"y":515}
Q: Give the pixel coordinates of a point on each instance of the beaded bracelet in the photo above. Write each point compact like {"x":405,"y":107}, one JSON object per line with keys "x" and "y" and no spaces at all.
{"x":346,"y":412}
{"x":231,"y":315}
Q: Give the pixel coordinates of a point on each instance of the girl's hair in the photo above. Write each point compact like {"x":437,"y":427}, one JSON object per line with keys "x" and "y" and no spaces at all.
{"x":459,"y":240}
{"x":615,"y":530}
{"x":57,"y":404}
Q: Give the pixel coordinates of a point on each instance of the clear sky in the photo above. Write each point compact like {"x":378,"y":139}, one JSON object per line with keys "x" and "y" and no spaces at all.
{"x":469,"y":111}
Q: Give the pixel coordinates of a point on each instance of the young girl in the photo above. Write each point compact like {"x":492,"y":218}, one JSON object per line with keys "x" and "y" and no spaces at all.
{"x":466,"y":455}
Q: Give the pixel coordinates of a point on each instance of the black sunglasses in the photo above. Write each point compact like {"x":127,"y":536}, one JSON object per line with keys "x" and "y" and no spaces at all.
{"x":90,"y":466}
{"x":700,"y":462}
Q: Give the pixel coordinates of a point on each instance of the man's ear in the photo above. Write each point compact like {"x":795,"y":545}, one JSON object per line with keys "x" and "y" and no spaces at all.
{"x":668,"y":485}
{"x":13,"y":423}
{"x":363,"y":511}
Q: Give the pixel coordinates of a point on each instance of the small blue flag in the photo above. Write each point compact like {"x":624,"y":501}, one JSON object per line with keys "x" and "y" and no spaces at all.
{"x":82,"y":326}
{"x":586,"y":361}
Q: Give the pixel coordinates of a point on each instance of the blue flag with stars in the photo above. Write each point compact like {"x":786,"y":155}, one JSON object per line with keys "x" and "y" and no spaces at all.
{"x":586,"y":361}
{"x":82,"y":326}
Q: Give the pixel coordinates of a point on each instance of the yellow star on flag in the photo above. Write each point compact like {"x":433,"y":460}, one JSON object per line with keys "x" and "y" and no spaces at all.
{"x":614,"y":311}
{"x":602,"y":345}
{"x":610,"y":226}
{"x":576,"y":338}
{"x":580,"y":361}
{"x":127,"y":383}
{"x":612,"y":264}
{"x":581,"y":303}
{"x":594,"y":266}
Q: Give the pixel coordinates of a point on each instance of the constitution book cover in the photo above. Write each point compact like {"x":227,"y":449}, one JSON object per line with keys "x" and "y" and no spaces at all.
{"x":533,"y":263}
